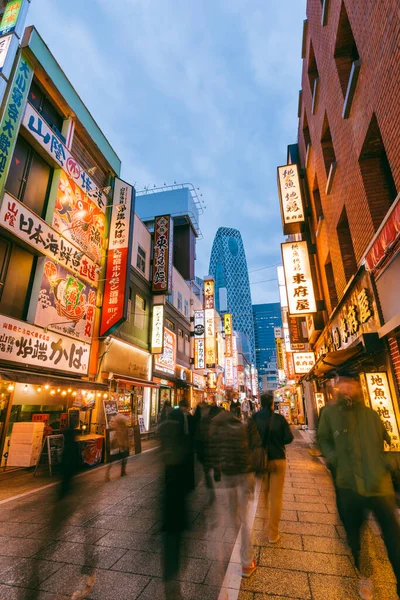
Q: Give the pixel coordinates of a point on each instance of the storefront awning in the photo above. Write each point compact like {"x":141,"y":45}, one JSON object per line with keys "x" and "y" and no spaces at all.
{"x":131,"y":380}
{"x":20,"y":376}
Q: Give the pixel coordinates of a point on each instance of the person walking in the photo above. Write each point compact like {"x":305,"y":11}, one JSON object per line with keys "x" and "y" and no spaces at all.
{"x":231,"y":444}
{"x":352,"y":436}
{"x":120,"y":425}
{"x":203,"y":416}
{"x":245,"y":409}
{"x":275,"y":434}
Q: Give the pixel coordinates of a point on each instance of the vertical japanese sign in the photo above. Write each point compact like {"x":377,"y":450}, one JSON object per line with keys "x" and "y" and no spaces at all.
{"x":228,"y":335}
{"x":12,"y":115}
{"x":211,"y":357}
{"x":199,"y":354}
{"x":382,"y":403}
{"x":116,"y":296}
{"x":290,"y":194}
{"x":199,"y":324}
{"x":209,"y":287}
{"x":279,"y":353}
{"x":4,"y":46}
{"x":166,"y":361}
{"x":319,"y":401}
{"x":162,"y":255}
{"x":10,"y":16}
{"x":254,"y":381}
{"x":157,"y":331}
{"x":229,"y":371}
{"x":299,"y":285}
{"x":235,"y":362}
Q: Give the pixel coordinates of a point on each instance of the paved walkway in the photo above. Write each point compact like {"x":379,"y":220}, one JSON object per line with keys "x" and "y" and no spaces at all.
{"x":115,"y":527}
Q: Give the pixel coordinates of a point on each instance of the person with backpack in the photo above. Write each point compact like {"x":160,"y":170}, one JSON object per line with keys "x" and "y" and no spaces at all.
{"x":275,"y":434}
{"x":231,"y":449}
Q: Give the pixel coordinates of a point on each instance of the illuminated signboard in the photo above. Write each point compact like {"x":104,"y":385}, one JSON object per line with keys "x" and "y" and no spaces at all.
{"x":166,"y":361}
{"x":209,"y":293}
{"x":291,"y":201}
{"x":212,"y":380}
{"x":228,"y":324}
{"x":235,"y":362}
{"x":4,"y":46}
{"x":211,"y":357}
{"x":228,"y":335}
{"x":303,"y":362}
{"x":254,"y":381}
{"x":157,"y":330}
{"x":299,"y":285}
{"x":199,"y":354}
{"x":199,"y":381}
{"x":10,"y":16}
{"x":229,"y":372}
{"x":279,"y":353}
{"x":319,"y":401}
{"x":199,"y":324}
{"x":116,"y":289}
{"x":382,"y":402}
{"x":163,"y":254}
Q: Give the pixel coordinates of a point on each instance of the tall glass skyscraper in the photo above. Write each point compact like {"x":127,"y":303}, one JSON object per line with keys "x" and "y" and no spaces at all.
{"x":266,"y":317}
{"x":232,"y":288}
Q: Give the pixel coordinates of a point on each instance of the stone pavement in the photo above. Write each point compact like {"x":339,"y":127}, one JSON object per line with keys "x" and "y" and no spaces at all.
{"x":115,"y":527}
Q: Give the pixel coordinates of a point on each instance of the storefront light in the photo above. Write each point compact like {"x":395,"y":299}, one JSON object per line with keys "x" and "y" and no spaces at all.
{"x":58,"y":390}
{"x":52,"y":392}
{"x":46,"y":387}
{"x":105,"y":395}
{"x":98,"y":394}
{"x":74,"y":393}
{"x":10,"y":387}
{"x":26,"y":388}
{"x":39,"y":389}
{"x":63,"y":393}
{"x":69,"y":390}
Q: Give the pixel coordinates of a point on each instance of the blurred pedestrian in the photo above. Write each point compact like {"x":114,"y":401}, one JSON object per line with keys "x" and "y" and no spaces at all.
{"x":232,"y":443}
{"x":245,"y":409}
{"x":352,"y":439}
{"x":203,"y":416}
{"x":235,"y":407}
{"x":275,"y":434}
{"x":120,"y":426}
{"x":176,"y":436}
{"x":165,"y":411}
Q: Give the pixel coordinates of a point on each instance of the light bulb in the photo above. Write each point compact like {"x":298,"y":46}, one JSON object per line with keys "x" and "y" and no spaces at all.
{"x":74,"y":393}
{"x":105,"y":395}
{"x":58,"y":390}
{"x":52,"y":392}
{"x":26,"y":388}
{"x":69,"y":390}
{"x":39,"y":389}
{"x":46,"y":387}
{"x":10,"y":387}
{"x":63,"y":393}
{"x":83,"y":427}
{"x":98,"y":394}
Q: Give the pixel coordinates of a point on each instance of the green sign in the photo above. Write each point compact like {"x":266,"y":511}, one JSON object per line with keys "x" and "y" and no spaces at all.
{"x":12,"y":115}
{"x":10,"y":16}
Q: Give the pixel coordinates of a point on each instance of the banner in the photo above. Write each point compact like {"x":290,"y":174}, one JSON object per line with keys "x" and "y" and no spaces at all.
{"x":163,"y":255}
{"x":48,"y":140}
{"x":65,"y":304}
{"x":157,"y":330}
{"x":30,"y":345}
{"x":116,"y":289}
{"x":31,"y":229}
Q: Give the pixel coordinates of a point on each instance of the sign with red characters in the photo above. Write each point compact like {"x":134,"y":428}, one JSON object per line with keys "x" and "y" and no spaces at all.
{"x":163,"y":254}
{"x":116,"y":294}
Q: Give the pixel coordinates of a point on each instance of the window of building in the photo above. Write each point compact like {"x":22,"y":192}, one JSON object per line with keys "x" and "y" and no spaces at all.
{"x":140,"y":312}
{"x":306,"y":136}
{"x":313,"y":77}
{"x":319,"y":213}
{"x":186,"y":308}
{"x":179,"y":301}
{"x":38,"y":98}
{"x":328,"y":152}
{"x":330,"y":280}
{"x":376,"y":174}
{"x":141,"y":259}
{"x":80,"y":151}
{"x":169,"y":324}
{"x":346,"y":53}
{"x":187,"y":345}
{"x":181,"y":341}
{"x":346,"y":246}
{"x":170,"y":298}
{"x":16,"y":268}
{"x":29,"y":177}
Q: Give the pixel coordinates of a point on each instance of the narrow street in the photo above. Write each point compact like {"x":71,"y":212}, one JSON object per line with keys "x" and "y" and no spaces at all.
{"x":115,"y":527}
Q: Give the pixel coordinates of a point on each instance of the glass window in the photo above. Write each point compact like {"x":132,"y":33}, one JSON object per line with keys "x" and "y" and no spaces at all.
{"x":16,"y":269}
{"x":141,"y":259}
{"x":179,"y":301}
{"x":45,"y":107}
{"x":187,"y":345}
{"x":140,"y":312}
{"x":186,"y":308}
{"x":181,"y":341}
{"x":169,"y":324}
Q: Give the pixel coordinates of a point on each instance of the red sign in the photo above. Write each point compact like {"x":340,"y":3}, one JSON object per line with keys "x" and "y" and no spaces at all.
{"x":115,"y":301}
{"x":163,"y":254}
{"x":388,"y":236}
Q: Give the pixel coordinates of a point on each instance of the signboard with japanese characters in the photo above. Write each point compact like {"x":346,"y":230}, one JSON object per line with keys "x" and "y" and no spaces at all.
{"x":319,"y":401}
{"x":279,"y":353}
{"x":199,"y":353}
{"x":297,"y":338}
{"x":228,"y":335}
{"x":116,"y":292}
{"x":303,"y":362}
{"x":211,"y":357}
{"x":199,"y":381}
{"x":27,"y":226}
{"x":10,"y":16}
{"x":229,"y":371}
{"x":162,"y":255}
{"x":4,"y":46}
{"x":60,"y":154}
{"x":382,"y":402}
{"x":199,"y":324}
{"x":291,"y":200}
{"x":157,"y":330}
{"x":12,"y":115}
{"x":65,"y":303}
{"x":356,"y":315}
{"x":32,"y":346}
{"x":209,"y":287}
{"x":254,"y":381}
{"x":228,"y":324}
{"x":299,"y":285}
{"x":166,"y":362}
{"x":79,"y":219}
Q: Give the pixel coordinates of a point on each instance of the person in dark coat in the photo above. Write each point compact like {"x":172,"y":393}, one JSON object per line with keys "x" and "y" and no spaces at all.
{"x":275,"y":434}
{"x":203,"y":416}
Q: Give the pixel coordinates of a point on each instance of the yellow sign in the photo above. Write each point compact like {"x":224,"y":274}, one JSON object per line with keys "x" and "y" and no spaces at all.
{"x":211,"y":355}
{"x":364,"y":388}
{"x":299,"y":285}
{"x":382,"y":402}
{"x":303,"y":362}
{"x":279,"y":354}
{"x":157,"y":331}
{"x":209,"y":293}
{"x":228,"y":323}
{"x":319,"y":401}
{"x":10,"y":17}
